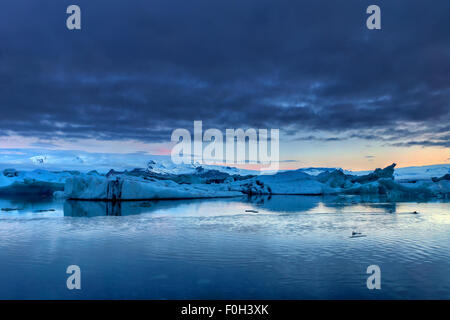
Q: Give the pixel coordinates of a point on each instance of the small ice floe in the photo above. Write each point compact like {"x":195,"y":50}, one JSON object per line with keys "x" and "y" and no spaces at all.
{"x":357,"y":235}
{"x":409,"y":212}
{"x":252,"y":211}
{"x":11,"y":209}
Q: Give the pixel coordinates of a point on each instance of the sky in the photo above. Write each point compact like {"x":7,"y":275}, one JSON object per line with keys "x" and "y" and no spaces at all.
{"x":340,"y":94}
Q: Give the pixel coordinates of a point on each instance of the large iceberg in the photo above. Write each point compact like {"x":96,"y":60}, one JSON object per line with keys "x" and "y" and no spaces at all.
{"x":212,"y":182}
{"x":125,"y":187}
{"x":415,"y":174}
{"x":36,"y":183}
{"x":378,"y":182}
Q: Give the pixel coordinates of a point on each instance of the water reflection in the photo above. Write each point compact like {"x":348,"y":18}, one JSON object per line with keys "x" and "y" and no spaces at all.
{"x":285,"y":203}
{"x":293,"y":247}
{"x":73,"y":208}
{"x":330,"y":204}
{"x":230,"y":206}
{"x":277,"y":204}
{"x":30,"y":207}
{"x":273,"y":204}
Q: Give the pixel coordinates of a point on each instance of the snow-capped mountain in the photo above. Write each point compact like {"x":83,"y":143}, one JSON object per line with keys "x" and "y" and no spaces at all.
{"x":168,"y":167}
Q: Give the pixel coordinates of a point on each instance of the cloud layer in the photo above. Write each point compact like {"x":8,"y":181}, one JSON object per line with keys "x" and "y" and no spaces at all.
{"x":138,"y":70}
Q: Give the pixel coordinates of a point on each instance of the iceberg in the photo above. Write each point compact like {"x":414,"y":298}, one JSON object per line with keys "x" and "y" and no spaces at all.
{"x":414,"y":174}
{"x":288,"y":182}
{"x":192,"y":182}
{"x":123,"y":187}
{"x":335,"y":182}
{"x":445,"y":177}
{"x":140,"y":184}
{"x":36,"y":183}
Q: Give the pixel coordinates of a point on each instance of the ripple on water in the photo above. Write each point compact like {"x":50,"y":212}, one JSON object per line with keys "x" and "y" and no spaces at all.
{"x":177,"y":249}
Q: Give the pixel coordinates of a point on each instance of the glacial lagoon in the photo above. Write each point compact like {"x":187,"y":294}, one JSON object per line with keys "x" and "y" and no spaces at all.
{"x":278,"y":247}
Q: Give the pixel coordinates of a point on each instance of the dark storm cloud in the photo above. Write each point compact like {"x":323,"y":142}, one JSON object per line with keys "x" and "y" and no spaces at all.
{"x":139,"y":69}
{"x":424,"y":143}
{"x":315,"y":138}
{"x":436,"y":141}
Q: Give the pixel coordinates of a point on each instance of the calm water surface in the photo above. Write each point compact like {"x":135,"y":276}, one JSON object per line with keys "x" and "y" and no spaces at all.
{"x":293,"y":247}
